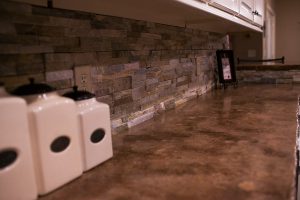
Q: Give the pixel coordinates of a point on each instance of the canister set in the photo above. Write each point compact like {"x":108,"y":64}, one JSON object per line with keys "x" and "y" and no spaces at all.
{"x":48,"y":140}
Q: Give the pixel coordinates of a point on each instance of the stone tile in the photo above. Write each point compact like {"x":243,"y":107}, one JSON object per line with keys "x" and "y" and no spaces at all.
{"x":194,"y":85}
{"x":284,"y":81}
{"x":167,"y":91}
{"x":190,"y":94}
{"x":296,"y":78}
{"x":19,"y":39}
{"x":159,"y":63}
{"x":123,"y":83}
{"x":182,"y":88}
{"x":20,"y":49}
{"x":69,"y":22}
{"x":104,"y":87}
{"x":7,"y":28}
{"x":123,"y":97}
{"x":10,"y":48}
{"x":167,"y":67}
{"x":202,"y":64}
{"x":85,"y":58}
{"x":140,"y":113}
{"x":118,"y":129}
{"x":151,"y":81}
{"x":10,"y":7}
{"x":8,"y":69}
{"x":116,"y":123}
{"x":26,"y":19}
{"x":268,"y":80}
{"x":27,"y":29}
{"x":160,"y":108}
{"x":136,"y":84}
{"x":178,"y":102}
{"x":110,"y":22}
{"x":112,"y":69}
{"x":181,"y":79}
{"x":35,"y":49}
{"x":185,"y":60}
{"x":139,"y":78}
{"x":59,"y":41}
{"x":21,"y":64}
{"x":62,"y":84}
{"x":189,"y":68}
{"x":34,"y":68}
{"x":125,"y":109}
{"x":36,"y":10}
{"x":165,"y":83}
{"x":153,"y":72}
{"x":59,"y":75}
{"x":151,"y":36}
{"x":252,"y":80}
{"x":167,"y":75}
{"x":56,"y":66}
{"x":95,"y":44}
{"x":132,"y":66}
{"x":140,"y":119}
{"x":149,"y":99}
{"x":58,"y":61}
{"x":58,"y":57}
{"x":111,"y":33}
{"x":138,"y":93}
{"x":169,"y":104}
{"x":108,"y":99}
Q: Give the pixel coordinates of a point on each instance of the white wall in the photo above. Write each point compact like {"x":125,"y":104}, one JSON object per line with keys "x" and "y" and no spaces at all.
{"x":269,"y":40}
{"x":247,"y":45}
{"x":288,"y":30}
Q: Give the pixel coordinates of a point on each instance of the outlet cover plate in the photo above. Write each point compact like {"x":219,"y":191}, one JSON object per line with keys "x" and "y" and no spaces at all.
{"x":83,"y":78}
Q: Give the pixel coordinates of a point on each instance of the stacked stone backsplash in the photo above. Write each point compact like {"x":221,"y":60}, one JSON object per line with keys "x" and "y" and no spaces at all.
{"x":139,"y":68}
{"x":269,"y":74}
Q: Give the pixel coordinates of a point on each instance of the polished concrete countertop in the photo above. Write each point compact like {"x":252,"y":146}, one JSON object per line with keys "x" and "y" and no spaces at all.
{"x":272,"y":67}
{"x":237,"y":144}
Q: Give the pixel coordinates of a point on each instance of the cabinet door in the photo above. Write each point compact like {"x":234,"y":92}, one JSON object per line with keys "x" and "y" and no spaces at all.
{"x":259,"y":12}
{"x":228,"y":4}
{"x":246,"y":8}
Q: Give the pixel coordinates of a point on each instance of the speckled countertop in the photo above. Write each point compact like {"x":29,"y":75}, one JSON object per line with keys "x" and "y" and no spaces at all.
{"x":233,"y":144}
{"x":263,"y":67}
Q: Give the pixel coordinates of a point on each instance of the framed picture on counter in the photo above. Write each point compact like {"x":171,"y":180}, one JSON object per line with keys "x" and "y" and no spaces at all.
{"x":226,"y":68}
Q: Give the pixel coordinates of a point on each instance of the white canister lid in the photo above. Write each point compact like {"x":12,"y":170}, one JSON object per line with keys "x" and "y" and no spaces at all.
{"x":3,"y":92}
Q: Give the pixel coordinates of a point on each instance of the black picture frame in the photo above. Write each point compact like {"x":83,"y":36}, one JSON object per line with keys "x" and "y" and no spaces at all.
{"x":226,"y":68}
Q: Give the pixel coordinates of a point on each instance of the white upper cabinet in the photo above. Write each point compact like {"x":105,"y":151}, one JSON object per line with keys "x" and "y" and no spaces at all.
{"x":232,"y":5}
{"x":209,"y":15}
{"x":247,"y":8}
{"x":259,"y":12}
{"x":250,"y":10}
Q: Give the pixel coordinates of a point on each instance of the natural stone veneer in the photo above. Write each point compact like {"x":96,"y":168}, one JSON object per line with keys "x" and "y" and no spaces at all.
{"x":139,"y":68}
{"x":272,"y":74}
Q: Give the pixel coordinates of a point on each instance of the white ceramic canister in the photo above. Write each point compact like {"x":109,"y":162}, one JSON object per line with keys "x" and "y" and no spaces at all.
{"x":17,"y":178}
{"x":54,"y":130}
{"x":3,"y":92}
{"x":95,"y":127}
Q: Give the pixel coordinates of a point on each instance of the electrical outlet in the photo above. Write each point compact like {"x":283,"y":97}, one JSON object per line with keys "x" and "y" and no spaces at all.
{"x":83,"y":78}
